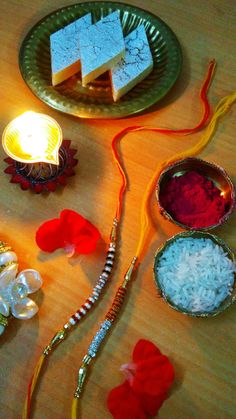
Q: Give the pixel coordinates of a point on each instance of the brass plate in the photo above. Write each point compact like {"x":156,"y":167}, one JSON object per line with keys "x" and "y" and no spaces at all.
{"x":95,"y":100}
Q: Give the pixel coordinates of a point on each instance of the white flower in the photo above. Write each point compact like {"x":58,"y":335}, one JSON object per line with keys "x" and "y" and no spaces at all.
{"x":14,"y":290}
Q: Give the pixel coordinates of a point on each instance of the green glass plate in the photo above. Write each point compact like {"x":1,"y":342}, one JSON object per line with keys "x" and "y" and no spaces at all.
{"x":95,"y":100}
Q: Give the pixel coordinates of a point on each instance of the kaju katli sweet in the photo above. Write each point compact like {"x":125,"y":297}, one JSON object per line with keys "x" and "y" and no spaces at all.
{"x":60,"y":336}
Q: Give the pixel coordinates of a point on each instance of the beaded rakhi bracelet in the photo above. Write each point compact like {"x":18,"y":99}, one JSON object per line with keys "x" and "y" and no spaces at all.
{"x":145,"y":230}
{"x":94,"y":296}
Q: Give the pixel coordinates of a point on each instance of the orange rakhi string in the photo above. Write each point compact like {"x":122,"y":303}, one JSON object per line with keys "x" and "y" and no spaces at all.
{"x":145,"y":227}
{"x":116,"y":139}
{"x":144,"y":221}
{"x":32,"y":384}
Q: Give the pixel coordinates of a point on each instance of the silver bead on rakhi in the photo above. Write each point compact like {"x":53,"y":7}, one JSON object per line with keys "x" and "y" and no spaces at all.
{"x":92,"y":351}
{"x":98,"y":338}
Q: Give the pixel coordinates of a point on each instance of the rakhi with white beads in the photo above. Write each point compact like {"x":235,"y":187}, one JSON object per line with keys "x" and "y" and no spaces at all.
{"x":14,"y":288}
{"x":223,"y":106}
{"x":95,"y":294}
{"x":75,"y":318}
{"x":121,"y":292}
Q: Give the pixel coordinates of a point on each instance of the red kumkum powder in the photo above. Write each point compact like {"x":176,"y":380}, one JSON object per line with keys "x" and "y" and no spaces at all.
{"x":193,"y":200}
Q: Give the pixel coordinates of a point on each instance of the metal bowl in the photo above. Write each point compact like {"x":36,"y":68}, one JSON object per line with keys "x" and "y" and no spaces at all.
{"x":195,"y":234}
{"x":212,"y":172}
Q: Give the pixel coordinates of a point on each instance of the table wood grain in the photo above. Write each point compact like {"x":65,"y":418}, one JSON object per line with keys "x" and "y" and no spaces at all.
{"x":202,"y":350}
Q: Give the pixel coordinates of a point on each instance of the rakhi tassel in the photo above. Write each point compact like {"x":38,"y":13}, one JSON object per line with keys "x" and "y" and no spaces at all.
{"x":74,"y":408}
{"x":222,"y":107}
{"x":120,"y":295}
{"x":220,"y":110}
{"x":88,"y":304}
{"x":31,"y":387}
{"x":76,"y":317}
{"x":186,"y":131}
{"x":55,"y":341}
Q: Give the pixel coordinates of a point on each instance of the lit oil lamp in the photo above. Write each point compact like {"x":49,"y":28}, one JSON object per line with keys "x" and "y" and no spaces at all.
{"x":38,"y":157}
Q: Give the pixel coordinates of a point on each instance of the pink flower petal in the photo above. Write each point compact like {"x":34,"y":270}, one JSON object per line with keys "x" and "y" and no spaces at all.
{"x":129,"y":370}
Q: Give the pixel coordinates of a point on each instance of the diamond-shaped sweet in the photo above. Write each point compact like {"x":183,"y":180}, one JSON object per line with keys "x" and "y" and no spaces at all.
{"x":65,"y":51}
{"x":101,"y":47}
{"x":135,"y":66}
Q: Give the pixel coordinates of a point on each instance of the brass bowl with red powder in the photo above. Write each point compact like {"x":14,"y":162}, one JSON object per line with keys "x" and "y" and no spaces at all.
{"x":217,"y":180}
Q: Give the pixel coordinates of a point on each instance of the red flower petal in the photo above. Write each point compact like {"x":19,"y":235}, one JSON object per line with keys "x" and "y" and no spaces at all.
{"x":87,"y":240}
{"x":144,"y":349}
{"x":71,"y":225}
{"x":86,"y":244}
{"x":151,"y":404}
{"x":71,"y":231}
{"x":71,"y":217}
{"x":48,"y":236}
{"x":123,"y":404}
{"x":153,"y":376}
{"x":143,"y":393}
{"x":79,"y":231}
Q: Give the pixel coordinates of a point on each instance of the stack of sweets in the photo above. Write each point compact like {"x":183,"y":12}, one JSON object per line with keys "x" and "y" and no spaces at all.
{"x":100,"y":47}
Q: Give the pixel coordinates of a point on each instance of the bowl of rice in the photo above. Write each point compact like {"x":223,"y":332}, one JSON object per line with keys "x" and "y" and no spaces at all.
{"x":195,"y":194}
{"x":195,"y":273}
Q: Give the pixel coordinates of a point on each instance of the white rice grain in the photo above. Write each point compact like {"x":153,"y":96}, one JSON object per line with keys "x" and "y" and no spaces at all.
{"x":195,"y":274}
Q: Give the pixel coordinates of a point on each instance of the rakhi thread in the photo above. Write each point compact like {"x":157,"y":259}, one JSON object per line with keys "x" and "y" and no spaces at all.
{"x":220,"y":110}
{"x":185,"y":131}
{"x":60,"y":336}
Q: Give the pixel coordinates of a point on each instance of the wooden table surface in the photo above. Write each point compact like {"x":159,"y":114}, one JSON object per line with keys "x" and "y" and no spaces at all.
{"x":202,"y":350}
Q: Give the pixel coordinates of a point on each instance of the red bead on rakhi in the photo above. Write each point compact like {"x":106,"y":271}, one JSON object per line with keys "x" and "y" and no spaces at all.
{"x":116,"y":305}
{"x":145,"y":229}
